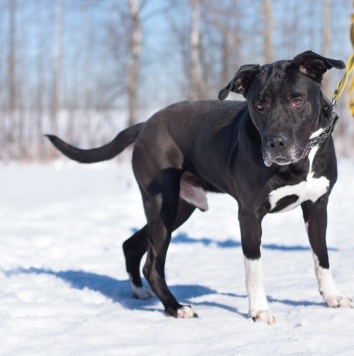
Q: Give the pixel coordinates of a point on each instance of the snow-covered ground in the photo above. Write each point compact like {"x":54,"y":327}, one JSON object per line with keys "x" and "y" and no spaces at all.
{"x":64,"y":290}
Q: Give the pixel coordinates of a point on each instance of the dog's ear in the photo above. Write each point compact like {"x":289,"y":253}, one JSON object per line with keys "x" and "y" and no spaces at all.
{"x":314,"y":66}
{"x":241,"y":81}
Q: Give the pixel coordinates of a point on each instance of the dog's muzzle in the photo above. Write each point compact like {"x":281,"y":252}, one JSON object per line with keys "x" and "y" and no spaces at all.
{"x":277,"y":149}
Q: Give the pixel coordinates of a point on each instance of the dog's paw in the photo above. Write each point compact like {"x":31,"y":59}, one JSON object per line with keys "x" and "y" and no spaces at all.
{"x":184,"y":312}
{"x":263,"y":315}
{"x":338,"y":301}
{"x":142,"y":292}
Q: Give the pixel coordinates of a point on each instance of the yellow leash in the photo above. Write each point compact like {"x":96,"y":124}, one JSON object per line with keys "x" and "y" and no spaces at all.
{"x":343,"y":82}
{"x":349,"y":99}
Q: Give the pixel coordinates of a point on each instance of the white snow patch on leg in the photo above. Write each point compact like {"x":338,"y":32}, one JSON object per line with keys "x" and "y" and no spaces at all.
{"x":328,"y":288}
{"x":258,"y":305}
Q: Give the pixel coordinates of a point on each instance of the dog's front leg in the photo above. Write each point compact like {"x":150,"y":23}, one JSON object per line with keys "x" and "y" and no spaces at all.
{"x":315,"y":216}
{"x":250,"y":226}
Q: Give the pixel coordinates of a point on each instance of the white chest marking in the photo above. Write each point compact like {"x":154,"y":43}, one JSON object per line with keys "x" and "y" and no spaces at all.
{"x":310,"y":189}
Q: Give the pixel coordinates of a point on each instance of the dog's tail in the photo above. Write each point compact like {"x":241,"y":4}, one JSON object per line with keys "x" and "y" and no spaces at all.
{"x":99,"y":154}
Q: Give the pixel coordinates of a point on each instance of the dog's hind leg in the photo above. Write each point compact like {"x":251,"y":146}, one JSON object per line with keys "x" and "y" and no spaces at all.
{"x":136,"y":246}
{"x":134,"y":249}
{"x":158,"y":168}
{"x":161,"y":201}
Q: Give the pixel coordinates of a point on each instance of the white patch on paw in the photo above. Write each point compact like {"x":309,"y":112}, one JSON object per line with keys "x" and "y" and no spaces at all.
{"x":338,"y":301}
{"x":263,"y":315}
{"x":141,"y":292}
{"x":328,"y":288}
{"x":258,"y":305}
{"x":186,"y":312}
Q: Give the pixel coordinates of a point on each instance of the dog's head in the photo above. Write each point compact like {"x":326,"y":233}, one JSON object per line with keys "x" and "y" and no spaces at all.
{"x":285,"y":103}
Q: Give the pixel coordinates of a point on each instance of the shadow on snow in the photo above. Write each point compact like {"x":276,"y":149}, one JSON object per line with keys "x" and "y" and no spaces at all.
{"x":119,"y":290}
{"x":183,"y":238}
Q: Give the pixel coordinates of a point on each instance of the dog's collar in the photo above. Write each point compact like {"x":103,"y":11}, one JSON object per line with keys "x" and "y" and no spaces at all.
{"x":318,"y":140}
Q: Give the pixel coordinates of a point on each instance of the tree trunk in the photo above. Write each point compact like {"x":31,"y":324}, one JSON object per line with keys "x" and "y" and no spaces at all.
{"x":133,"y":69}
{"x":268,"y":28}
{"x":11,"y":127}
{"x":326,"y":42}
{"x":57,"y":64}
{"x":40,"y":68}
{"x":195,"y":51}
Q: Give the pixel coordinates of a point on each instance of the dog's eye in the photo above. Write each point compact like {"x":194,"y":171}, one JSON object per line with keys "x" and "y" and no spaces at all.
{"x":297,"y":102}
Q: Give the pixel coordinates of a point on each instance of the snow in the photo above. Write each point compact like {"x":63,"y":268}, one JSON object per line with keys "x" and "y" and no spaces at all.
{"x":64,"y":289}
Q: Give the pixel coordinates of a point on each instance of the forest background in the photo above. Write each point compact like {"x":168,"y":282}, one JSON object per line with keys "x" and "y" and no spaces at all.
{"x":85,"y":69}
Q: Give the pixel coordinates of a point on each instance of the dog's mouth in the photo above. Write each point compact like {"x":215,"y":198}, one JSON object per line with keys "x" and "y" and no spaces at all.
{"x":282,"y":161}
{"x":279,"y":160}
{"x":289,"y":156}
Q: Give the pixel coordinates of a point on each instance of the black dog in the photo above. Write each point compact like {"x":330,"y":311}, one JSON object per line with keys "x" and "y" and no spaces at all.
{"x":272,"y":153}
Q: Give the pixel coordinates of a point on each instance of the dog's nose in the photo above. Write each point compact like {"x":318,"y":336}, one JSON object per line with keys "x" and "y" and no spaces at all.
{"x":276,"y":142}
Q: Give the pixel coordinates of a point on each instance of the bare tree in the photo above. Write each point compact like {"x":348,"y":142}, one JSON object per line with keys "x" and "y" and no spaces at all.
{"x":133,"y":70}
{"x":179,"y":41}
{"x":57,"y":63}
{"x":268,"y":28}
{"x":86,"y":70}
{"x":326,"y":40}
{"x":229,"y":44}
{"x":11,"y":63}
{"x":11,"y":57}
{"x":125,"y":43}
{"x":195,"y":51}
{"x":2,"y":81}
{"x":223,"y":24}
{"x":40,"y":70}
